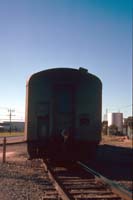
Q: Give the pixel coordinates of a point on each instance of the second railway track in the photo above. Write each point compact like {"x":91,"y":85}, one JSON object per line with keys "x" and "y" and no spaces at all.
{"x":75,"y":181}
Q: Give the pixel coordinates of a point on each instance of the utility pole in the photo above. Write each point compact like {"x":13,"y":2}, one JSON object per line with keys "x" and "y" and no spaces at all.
{"x":10,"y":118}
{"x":106,"y":114}
{"x":107,"y":121}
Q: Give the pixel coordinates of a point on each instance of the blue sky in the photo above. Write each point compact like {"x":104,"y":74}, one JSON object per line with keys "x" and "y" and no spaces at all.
{"x":39,"y":34}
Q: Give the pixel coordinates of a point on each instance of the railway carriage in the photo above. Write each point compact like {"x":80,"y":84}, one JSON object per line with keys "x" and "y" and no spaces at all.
{"x":63,"y":113}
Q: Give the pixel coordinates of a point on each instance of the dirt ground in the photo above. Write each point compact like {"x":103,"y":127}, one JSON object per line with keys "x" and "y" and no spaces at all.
{"x":119,"y":141}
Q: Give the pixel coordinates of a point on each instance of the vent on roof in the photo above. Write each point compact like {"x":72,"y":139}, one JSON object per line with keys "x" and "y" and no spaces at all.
{"x":84,"y":70}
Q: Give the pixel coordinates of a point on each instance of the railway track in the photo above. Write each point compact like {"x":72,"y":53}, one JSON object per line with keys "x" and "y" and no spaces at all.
{"x":76,"y":181}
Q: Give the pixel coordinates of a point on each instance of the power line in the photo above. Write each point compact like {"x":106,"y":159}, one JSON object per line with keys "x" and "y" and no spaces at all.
{"x":3,"y":108}
{"x":115,"y":107}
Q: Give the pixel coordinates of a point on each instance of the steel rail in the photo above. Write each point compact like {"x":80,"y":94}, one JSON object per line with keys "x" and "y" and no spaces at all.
{"x":59,"y":187}
{"x":115,"y":187}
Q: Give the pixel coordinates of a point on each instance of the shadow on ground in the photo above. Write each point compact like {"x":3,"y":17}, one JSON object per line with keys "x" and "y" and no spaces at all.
{"x":114,"y":162}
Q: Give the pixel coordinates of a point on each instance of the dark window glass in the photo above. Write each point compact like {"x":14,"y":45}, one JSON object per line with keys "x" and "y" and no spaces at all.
{"x":65,"y":101}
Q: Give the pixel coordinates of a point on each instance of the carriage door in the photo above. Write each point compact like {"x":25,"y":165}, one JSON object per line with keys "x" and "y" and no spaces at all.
{"x":64,"y":107}
{"x":42,"y":121}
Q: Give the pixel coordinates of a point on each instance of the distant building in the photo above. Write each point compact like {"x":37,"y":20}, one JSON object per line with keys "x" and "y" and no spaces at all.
{"x":116,"y":119}
{"x":128,"y":127}
{"x":113,"y":130}
{"x":125,"y":126}
{"x":1,"y":127}
{"x":15,"y":126}
{"x":105,"y":127}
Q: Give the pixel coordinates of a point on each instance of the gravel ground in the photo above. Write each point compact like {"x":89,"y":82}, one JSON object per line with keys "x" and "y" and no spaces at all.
{"x":21,"y":179}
